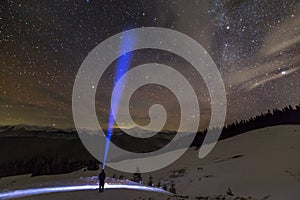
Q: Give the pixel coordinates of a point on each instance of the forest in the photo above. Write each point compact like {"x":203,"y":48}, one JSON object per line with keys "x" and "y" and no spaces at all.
{"x":64,"y":153}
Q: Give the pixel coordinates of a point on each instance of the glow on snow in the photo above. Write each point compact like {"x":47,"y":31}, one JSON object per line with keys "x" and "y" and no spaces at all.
{"x":47,"y":190}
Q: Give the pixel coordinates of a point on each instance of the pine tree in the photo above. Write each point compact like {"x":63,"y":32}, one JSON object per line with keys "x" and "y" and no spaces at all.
{"x":158,"y":184}
{"x":137,"y":177}
{"x":150,"y":182}
{"x":165,"y":187}
{"x":172,"y":188}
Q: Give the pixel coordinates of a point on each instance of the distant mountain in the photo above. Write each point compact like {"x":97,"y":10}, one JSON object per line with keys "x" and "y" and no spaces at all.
{"x":23,"y":127}
{"x":48,"y":150}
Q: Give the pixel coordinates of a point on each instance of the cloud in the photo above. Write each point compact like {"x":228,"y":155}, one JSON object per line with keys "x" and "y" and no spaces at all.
{"x":253,"y":76}
{"x":273,"y":77}
{"x":284,"y":37}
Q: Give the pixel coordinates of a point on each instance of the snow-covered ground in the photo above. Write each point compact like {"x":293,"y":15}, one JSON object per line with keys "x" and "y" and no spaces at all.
{"x":264,"y":163}
{"x":55,"y":189}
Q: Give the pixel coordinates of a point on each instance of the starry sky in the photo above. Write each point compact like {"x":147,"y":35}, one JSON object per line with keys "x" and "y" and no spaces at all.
{"x":254,"y":43}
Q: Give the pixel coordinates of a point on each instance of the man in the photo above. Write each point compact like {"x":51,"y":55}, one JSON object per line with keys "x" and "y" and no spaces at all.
{"x":101,"y":181}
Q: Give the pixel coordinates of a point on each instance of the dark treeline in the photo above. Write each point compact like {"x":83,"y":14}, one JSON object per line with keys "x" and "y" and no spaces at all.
{"x":36,"y":155}
{"x":285,"y":116}
{"x":42,"y":165}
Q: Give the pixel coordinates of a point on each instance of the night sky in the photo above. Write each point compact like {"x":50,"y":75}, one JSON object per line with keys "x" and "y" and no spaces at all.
{"x":255,"y":45}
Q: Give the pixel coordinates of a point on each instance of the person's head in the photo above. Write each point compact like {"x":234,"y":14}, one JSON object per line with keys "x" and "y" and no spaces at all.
{"x":103,"y":170}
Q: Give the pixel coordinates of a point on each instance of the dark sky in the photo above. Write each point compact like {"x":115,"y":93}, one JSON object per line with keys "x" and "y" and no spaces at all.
{"x":255,"y":45}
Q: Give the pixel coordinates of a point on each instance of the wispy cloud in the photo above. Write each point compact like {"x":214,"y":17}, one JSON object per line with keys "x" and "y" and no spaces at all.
{"x":284,"y":37}
{"x":272,"y":77}
{"x":251,"y":77}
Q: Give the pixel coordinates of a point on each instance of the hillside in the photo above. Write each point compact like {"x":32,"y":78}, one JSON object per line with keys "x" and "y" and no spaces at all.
{"x":261,"y":164}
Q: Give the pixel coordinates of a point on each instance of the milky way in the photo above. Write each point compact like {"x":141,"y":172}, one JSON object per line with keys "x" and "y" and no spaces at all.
{"x":255,"y":45}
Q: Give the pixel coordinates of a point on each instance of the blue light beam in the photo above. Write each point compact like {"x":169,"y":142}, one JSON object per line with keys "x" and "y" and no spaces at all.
{"x":128,"y":41}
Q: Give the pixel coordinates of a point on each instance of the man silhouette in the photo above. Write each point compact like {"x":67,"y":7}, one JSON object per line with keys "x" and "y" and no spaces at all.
{"x":101,"y":180}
